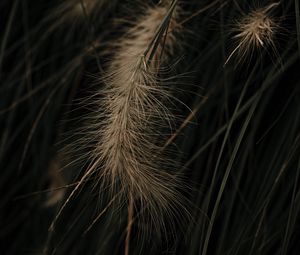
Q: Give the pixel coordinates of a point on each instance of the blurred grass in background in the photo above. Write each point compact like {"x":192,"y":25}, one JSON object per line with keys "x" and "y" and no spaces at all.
{"x":238,"y":149}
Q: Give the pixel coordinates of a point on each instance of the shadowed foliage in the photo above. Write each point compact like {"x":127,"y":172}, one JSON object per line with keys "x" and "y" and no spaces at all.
{"x":150,"y":127}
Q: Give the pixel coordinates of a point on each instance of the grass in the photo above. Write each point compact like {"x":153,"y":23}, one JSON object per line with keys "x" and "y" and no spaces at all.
{"x":150,"y":127}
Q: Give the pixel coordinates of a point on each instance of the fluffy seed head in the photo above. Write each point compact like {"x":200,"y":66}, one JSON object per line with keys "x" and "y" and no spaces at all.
{"x":127,"y":130}
{"x":133,"y":116}
{"x":254,"y":31}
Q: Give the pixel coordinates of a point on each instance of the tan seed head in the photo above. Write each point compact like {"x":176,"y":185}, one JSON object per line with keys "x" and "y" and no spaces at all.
{"x":254,"y":31}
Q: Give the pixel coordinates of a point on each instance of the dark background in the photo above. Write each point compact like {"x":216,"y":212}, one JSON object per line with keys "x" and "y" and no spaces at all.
{"x":250,"y":108}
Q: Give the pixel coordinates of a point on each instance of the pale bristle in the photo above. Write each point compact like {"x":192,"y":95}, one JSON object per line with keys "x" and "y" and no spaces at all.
{"x":129,"y":152}
{"x":131,"y":118}
{"x":254,"y":31}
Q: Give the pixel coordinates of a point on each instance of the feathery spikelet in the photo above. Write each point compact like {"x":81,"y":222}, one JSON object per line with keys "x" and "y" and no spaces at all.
{"x":255,"y":31}
{"x":130,"y":118}
{"x":128,"y":153}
